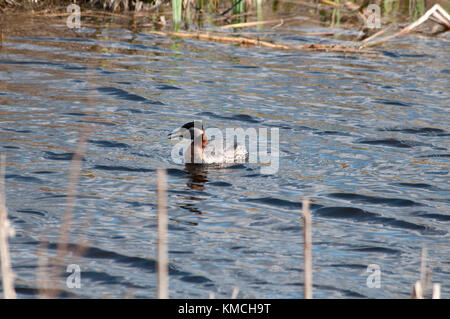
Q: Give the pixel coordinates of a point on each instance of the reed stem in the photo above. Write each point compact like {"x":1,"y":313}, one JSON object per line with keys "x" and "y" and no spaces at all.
{"x":417,"y":291}
{"x":163,"y":280}
{"x":176,"y":13}
{"x":423,"y":271}
{"x":5,"y":232}
{"x":436,"y":291}
{"x":307,"y":253}
{"x":235,"y":292}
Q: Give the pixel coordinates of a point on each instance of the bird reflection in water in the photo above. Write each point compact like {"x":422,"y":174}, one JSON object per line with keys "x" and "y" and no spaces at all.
{"x":197,"y":175}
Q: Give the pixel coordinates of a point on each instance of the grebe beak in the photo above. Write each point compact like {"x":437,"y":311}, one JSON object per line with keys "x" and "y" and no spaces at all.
{"x":179,"y":132}
{"x":188,"y":130}
{"x":174,"y":134}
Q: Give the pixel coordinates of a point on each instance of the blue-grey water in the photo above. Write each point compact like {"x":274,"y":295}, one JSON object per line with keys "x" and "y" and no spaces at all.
{"x":365,"y":137}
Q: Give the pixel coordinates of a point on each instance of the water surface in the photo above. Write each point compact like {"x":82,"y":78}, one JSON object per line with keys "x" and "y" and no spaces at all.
{"x":365,"y":137}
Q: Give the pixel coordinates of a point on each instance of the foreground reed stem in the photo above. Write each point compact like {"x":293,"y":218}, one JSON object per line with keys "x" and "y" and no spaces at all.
{"x":307,"y":254}
{"x":163,"y":280}
{"x":5,"y":232}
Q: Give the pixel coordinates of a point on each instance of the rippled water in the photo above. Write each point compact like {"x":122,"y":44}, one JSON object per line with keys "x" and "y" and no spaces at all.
{"x":366,"y":137}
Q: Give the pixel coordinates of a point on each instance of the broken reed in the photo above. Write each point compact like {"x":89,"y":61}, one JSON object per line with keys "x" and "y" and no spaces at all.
{"x":420,"y":288}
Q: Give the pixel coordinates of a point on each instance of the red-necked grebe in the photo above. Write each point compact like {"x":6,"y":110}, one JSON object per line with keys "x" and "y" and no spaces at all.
{"x":200,"y":152}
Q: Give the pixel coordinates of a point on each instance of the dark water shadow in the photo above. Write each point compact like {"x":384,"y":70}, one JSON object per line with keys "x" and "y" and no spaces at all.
{"x":198,"y":176}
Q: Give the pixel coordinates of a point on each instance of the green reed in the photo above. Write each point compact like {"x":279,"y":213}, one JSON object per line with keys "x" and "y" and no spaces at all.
{"x":336,"y":17}
{"x":239,"y":6}
{"x":238,"y":9}
{"x":176,"y":13}
{"x":259,"y":13}
{"x":416,"y":9}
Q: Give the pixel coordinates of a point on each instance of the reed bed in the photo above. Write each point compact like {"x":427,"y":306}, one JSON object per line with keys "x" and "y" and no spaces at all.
{"x":332,"y":12}
{"x":240,"y":14}
{"x":233,"y":10}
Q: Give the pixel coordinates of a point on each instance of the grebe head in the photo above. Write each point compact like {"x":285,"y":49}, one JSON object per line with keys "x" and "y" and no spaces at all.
{"x":192,"y":130}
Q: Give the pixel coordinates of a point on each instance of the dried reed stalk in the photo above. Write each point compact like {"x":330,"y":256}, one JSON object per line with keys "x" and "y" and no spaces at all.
{"x":256,"y":23}
{"x":251,"y":24}
{"x":423,"y":271}
{"x":436,"y":291}
{"x":436,"y":11}
{"x":235,"y":292}
{"x":66,"y":221}
{"x":330,"y":3}
{"x":256,"y":42}
{"x":377,"y":34}
{"x":74,"y":176}
{"x":5,"y":232}
{"x":420,"y":288}
{"x":226,"y":39}
{"x":332,"y":48}
{"x":307,"y":251}
{"x":417,"y":291}
{"x":43,"y":281}
{"x":163,"y":269}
